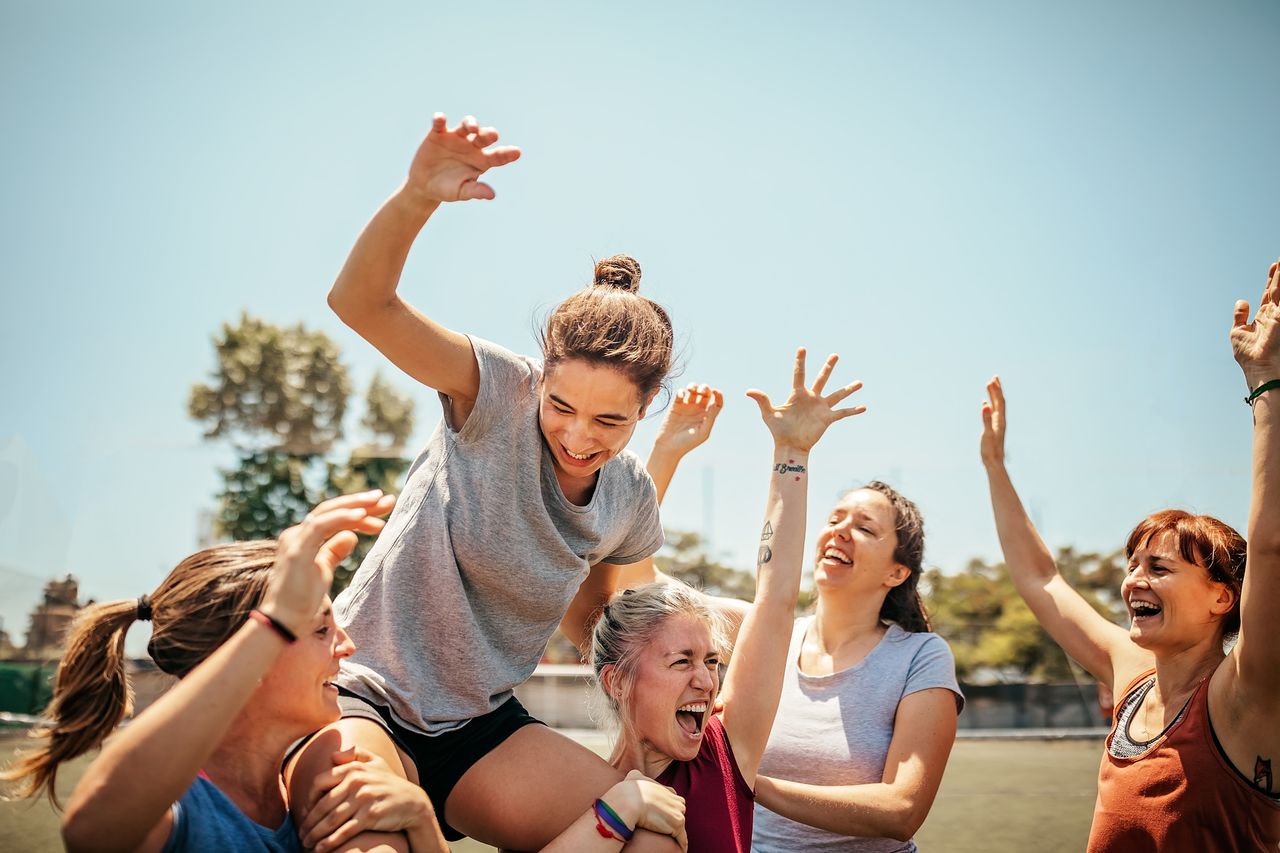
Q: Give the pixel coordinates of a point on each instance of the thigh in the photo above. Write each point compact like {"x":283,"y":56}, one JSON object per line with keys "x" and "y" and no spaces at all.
{"x":528,"y":790}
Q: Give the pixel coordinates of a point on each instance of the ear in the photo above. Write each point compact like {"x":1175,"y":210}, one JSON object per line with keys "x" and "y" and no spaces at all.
{"x":609,"y":681}
{"x":1225,"y":601}
{"x":897,"y":575}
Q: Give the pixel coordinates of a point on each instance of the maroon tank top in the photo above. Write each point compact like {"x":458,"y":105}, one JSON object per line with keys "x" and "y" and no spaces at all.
{"x":1181,"y":795}
{"x":719,"y":804}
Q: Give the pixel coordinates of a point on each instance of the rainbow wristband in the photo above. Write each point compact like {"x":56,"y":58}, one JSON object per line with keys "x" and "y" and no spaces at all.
{"x":611,"y":819}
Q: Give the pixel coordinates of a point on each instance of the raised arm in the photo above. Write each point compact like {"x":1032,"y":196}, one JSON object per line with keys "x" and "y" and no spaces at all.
{"x":1100,"y":646}
{"x":125,"y":795}
{"x":754,"y":681}
{"x":447,"y":167}
{"x":1256,"y":347}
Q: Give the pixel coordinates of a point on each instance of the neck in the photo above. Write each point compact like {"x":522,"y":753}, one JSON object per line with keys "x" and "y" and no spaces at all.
{"x":630,"y":754}
{"x":1178,"y":672}
{"x":841,"y":620}
{"x":246,"y":767}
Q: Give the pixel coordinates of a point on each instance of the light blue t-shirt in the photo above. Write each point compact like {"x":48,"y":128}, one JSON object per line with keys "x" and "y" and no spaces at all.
{"x":835,"y":730}
{"x":205,"y":819}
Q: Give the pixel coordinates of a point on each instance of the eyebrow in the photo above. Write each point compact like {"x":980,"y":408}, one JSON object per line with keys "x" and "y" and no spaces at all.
{"x":606,"y":416}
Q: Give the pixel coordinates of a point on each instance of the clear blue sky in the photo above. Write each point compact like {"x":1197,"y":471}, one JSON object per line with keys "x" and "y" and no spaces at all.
{"x":1071,"y":195}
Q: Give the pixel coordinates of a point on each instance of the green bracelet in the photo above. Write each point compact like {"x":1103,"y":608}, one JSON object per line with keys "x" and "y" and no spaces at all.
{"x":1262,"y":389}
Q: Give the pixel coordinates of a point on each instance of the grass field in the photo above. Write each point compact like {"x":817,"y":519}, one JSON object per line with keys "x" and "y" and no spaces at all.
{"x":997,"y":795}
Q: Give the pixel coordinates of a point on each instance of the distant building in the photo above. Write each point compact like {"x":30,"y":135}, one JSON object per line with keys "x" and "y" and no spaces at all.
{"x":51,"y":619}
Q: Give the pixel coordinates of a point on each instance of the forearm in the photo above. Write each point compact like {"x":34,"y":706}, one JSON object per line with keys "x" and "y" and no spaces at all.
{"x":148,"y":765}
{"x":662,"y":467}
{"x":425,"y":835}
{"x":1264,"y":503}
{"x":873,"y":810}
{"x":1028,"y":558}
{"x":780,"y":561}
{"x":368,"y":280}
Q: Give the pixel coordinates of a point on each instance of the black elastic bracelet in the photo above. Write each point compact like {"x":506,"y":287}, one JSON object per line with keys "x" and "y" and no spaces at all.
{"x":274,"y":624}
{"x":1261,"y":389}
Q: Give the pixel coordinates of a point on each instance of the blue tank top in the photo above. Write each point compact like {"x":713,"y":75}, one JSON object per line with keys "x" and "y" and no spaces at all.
{"x":206,"y":819}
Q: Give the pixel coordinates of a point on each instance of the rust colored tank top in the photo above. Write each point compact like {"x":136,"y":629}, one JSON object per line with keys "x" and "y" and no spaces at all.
{"x":1182,"y":794}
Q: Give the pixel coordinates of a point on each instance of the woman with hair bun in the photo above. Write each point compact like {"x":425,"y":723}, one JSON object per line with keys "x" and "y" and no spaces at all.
{"x":514,"y":519}
{"x":1188,"y":765}
{"x":248,"y":630}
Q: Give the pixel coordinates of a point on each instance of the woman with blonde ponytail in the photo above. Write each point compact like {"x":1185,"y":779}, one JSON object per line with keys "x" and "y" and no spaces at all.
{"x":249,"y":632}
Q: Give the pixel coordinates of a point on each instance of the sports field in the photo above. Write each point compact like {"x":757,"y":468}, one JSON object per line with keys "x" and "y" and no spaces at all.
{"x":997,"y":795}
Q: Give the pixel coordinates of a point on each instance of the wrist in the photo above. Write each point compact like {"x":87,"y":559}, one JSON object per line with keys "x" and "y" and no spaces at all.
{"x":291,"y":620}
{"x":790,"y":451}
{"x":414,"y":202}
{"x":626,"y":801}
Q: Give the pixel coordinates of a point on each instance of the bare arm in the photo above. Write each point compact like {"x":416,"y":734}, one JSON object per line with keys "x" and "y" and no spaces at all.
{"x":446,"y":168}
{"x":147,"y":766}
{"x":924,"y":730}
{"x":1256,"y":347}
{"x":754,"y":682}
{"x":1100,"y":646}
{"x":588,"y":603}
{"x":641,"y":804}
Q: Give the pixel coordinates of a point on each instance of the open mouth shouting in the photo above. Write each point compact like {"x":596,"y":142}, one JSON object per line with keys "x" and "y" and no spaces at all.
{"x":691,"y":718}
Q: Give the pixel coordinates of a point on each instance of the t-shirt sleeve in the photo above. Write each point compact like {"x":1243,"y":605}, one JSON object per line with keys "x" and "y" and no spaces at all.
{"x":934,"y":666}
{"x":504,"y":376}
{"x":644,"y":537}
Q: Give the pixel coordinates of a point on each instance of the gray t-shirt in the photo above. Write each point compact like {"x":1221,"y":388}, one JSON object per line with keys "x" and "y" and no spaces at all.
{"x":835,"y":730}
{"x":455,"y":602}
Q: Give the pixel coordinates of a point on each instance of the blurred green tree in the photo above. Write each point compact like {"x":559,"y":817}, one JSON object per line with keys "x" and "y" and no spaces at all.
{"x":988,"y":626}
{"x":278,"y":396}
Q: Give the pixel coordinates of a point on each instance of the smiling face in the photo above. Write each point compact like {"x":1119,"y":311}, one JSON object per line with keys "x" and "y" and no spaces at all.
{"x":587,"y":413}
{"x":299,"y":687}
{"x":1173,"y":603}
{"x":855,"y":548}
{"x":672,"y":688}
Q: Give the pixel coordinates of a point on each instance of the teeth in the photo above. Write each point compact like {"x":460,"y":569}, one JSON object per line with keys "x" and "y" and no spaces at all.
{"x":1144,"y":607}
{"x":694,"y":707}
{"x":582,"y":456}
{"x":833,"y":554}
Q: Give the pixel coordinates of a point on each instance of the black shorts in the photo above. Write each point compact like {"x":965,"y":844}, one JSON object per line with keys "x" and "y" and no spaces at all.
{"x":442,"y":759}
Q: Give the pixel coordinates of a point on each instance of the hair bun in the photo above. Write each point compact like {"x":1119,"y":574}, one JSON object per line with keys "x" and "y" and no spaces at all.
{"x":620,"y":271}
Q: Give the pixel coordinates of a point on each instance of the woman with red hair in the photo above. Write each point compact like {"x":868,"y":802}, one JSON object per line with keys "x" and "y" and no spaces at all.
{"x":1192,"y":762}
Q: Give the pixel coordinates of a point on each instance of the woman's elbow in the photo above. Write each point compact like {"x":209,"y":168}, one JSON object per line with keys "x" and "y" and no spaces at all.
{"x":907,"y":819}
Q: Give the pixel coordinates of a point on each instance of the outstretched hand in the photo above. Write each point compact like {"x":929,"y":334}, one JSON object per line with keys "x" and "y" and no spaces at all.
{"x":450,"y":161}
{"x":689,"y":421}
{"x":993,"y":423}
{"x":804,"y":417}
{"x":1256,"y":345}
{"x":307,"y":554}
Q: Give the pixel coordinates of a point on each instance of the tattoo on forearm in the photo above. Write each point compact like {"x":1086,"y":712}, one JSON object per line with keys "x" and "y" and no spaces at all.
{"x":1262,"y":773}
{"x":767,"y":533}
{"x":766,"y":554}
{"x":788,"y":467}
